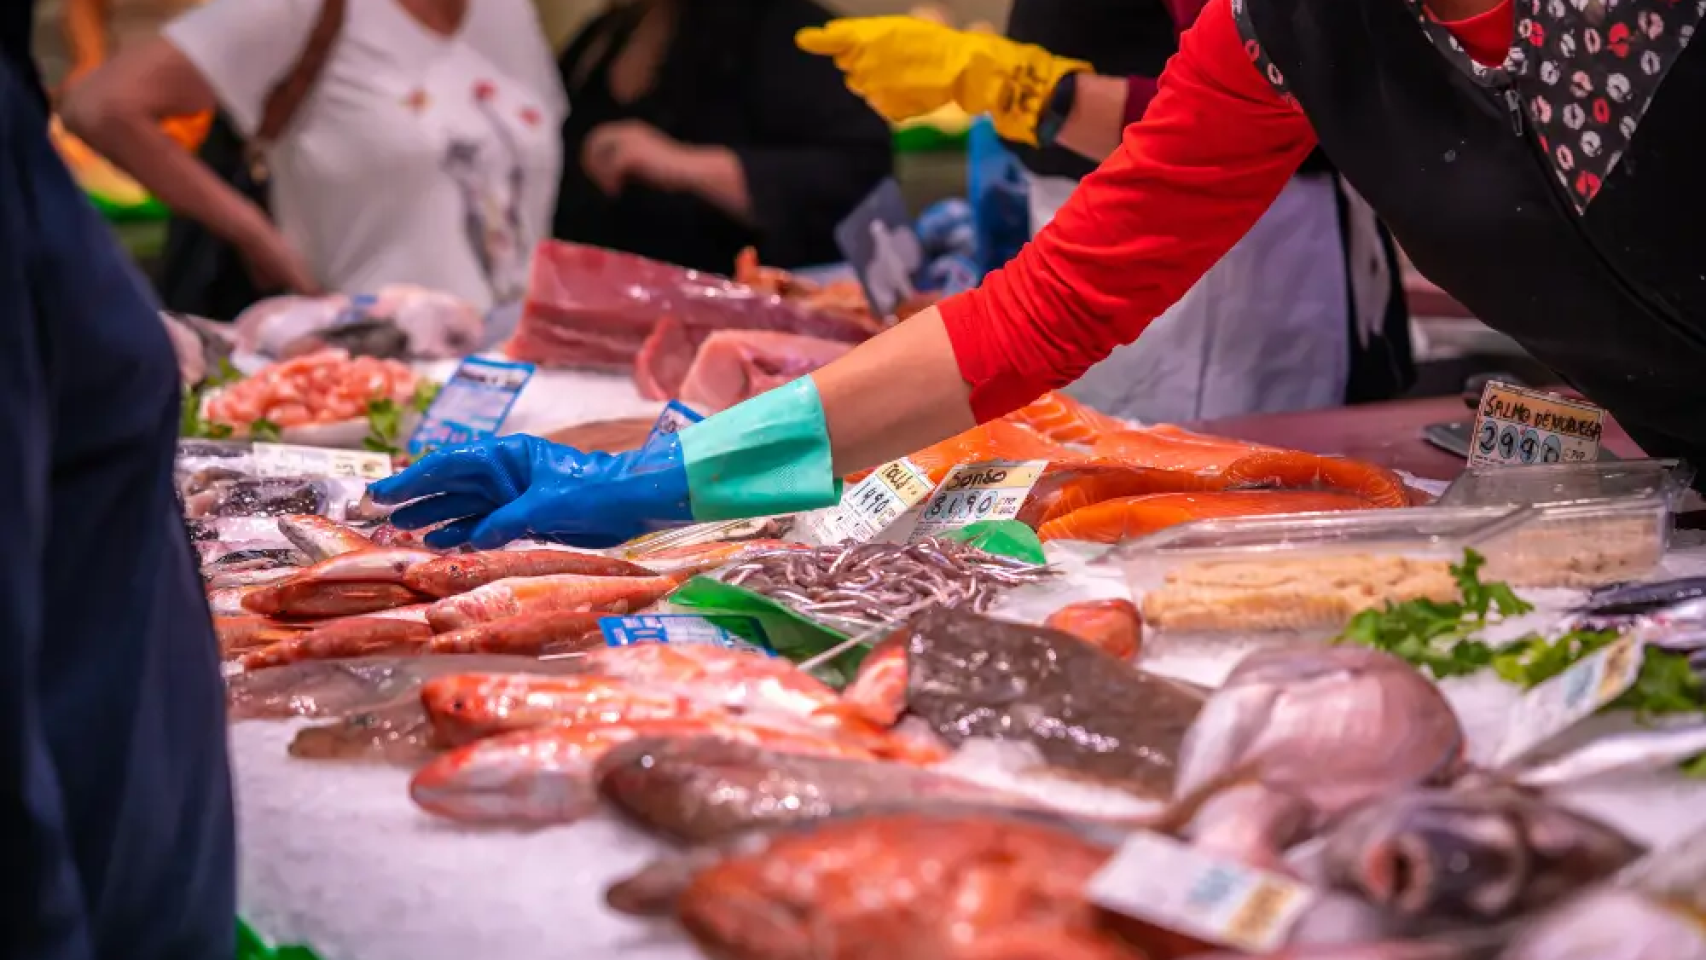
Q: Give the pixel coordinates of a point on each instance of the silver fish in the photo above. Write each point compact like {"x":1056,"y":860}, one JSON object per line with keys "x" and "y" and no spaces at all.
{"x":1483,"y":852}
{"x":1636,"y":750}
{"x":320,"y":538}
{"x":1335,"y":726}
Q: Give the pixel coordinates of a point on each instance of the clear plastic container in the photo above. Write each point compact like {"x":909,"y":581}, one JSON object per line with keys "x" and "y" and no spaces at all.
{"x":1568,"y":483}
{"x":1303,"y":575}
{"x":1584,"y":544}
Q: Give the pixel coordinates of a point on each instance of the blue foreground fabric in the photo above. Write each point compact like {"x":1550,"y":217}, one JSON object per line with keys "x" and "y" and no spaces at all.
{"x":116,"y":832}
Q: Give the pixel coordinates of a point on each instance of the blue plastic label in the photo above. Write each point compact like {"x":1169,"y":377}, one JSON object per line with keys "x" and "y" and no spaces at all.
{"x":674,"y":417}
{"x":473,"y":405}
{"x":730,"y":632}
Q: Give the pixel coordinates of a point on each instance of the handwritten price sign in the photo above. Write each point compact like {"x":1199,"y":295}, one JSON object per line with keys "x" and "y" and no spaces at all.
{"x":979,"y":491}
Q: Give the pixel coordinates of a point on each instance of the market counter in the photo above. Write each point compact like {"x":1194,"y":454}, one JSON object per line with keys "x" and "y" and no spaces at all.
{"x":1389,"y":434}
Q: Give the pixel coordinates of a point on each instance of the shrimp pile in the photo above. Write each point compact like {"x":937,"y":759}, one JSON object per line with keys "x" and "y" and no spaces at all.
{"x":326,"y":386}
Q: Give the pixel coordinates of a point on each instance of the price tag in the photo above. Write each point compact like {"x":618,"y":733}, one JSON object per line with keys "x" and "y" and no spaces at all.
{"x":1181,"y":888}
{"x":289,"y":460}
{"x":1517,"y":427}
{"x":877,"y":238}
{"x":871,"y":506}
{"x":729,"y":632}
{"x":1571,"y":697}
{"x":979,"y":491}
{"x":675,"y":416}
{"x":473,"y":405}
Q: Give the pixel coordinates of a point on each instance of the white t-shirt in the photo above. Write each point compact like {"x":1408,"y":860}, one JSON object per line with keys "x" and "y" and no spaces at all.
{"x":418,"y":158}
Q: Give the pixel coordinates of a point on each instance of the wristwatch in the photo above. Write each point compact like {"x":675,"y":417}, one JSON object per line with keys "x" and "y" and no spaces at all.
{"x":1058,"y":109}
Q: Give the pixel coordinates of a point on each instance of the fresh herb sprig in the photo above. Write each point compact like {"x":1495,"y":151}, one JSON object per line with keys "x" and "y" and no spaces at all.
{"x":385,"y":418}
{"x":191,"y":424}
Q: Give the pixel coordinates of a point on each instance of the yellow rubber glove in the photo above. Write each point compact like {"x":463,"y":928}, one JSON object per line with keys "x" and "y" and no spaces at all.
{"x":906,"y":67}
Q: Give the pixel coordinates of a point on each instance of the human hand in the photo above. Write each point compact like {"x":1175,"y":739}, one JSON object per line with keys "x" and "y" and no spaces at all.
{"x":906,"y":67}
{"x":494,"y":491}
{"x":624,"y":150}
{"x":273,"y":262}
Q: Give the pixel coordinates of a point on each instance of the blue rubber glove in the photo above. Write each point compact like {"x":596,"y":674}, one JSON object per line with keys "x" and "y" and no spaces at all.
{"x":767,"y":456}
{"x":495,"y":491}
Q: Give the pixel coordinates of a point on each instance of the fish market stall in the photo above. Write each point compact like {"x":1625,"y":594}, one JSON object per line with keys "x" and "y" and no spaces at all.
{"x":1060,"y":686}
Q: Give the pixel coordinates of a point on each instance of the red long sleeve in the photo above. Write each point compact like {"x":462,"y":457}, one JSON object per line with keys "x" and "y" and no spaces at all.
{"x":1215,"y":147}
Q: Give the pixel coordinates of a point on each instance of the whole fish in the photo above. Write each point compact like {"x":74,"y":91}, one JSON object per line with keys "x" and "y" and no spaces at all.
{"x":561,"y":592}
{"x":370,"y":565}
{"x":335,"y":688}
{"x":1335,"y":726}
{"x":686,"y":561}
{"x":527,"y":634}
{"x":1613,"y":924}
{"x":1611,"y":606}
{"x":907,"y":886}
{"x":448,"y":576}
{"x":1636,"y":750}
{"x":1086,"y":712}
{"x":397,"y":733}
{"x":467,"y":707}
{"x":230,"y":601}
{"x":240,"y":634}
{"x":237,"y":557}
{"x":707,"y":788}
{"x":1114,"y":626}
{"x":546,"y":774}
{"x":310,"y":599}
{"x":256,"y":577}
{"x":320,"y":538}
{"x":342,"y":640}
{"x":1479,"y":852}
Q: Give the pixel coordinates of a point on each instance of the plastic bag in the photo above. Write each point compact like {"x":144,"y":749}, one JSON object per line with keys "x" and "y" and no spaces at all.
{"x":400,"y":321}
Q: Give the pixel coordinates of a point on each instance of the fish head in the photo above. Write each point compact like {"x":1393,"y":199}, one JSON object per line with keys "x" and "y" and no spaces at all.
{"x":540,"y":775}
{"x":1481,"y":854}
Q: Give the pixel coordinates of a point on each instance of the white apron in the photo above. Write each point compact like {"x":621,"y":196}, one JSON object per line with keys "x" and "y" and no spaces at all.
{"x":1265,"y":330}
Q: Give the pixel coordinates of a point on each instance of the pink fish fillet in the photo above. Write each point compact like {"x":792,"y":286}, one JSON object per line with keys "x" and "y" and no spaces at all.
{"x":560,"y":592}
{"x":737,"y":365}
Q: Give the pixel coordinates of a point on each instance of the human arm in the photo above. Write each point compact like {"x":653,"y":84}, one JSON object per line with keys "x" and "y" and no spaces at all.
{"x":1100,"y":107}
{"x":227,"y":52}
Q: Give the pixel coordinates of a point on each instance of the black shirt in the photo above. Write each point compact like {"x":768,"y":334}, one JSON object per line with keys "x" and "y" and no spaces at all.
{"x":810,"y":148}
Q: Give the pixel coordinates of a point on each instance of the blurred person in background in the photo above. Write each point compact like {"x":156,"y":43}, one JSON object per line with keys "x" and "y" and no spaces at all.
{"x":699,"y":129}
{"x":115,"y":798}
{"x":1306,"y":311}
{"x":425,"y":153}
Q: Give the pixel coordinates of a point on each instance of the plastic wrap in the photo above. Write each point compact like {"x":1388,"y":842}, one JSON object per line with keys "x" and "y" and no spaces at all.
{"x":1567,"y":483}
{"x":398,"y":321}
{"x":591,"y":307}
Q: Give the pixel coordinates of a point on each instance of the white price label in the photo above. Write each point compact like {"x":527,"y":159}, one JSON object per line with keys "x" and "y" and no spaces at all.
{"x":871,"y":506}
{"x":979,"y":491}
{"x":1571,"y":697}
{"x":289,"y":460}
{"x":1176,"y":886}
{"x":1517,"y":427}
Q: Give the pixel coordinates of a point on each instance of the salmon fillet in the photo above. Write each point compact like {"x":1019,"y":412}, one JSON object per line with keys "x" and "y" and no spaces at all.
{"x":1128,"y":517}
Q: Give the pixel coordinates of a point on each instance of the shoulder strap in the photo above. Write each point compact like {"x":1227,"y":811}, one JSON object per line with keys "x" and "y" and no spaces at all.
{"x":287,"y":97}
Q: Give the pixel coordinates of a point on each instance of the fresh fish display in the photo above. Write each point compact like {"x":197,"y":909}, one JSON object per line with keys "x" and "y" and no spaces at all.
{"x":1292,"y":470}
{"x":1635,"y":750}
{"x":320,"y":538}
{"x":313,"y":599}
{"x":556,"y":593}
{"x":1061,"y":419}
{"x":713,"y":787}
{"x":906,"y":886}
{"x":1610,"y":607}
{"x":341,"y":640}
{"x":1086,"y":712}
{"x":1613,"y":924}
{"x":1066,"y":487}
{"x":1335,"y":726}
{"x":1124,"y":518}
{"x":1166,"y":447}
{"x":240,"y":634}
{"x":448,"y":576}
{"x":732,"y":680}
{"x":467,"y":707}
{"x":236,"y":558}
{"x":526,"y":634}
{"x":877,"y":583}
{"x":546,"y":774}
{"x":398,"y":733}
{"x":372,"y":565}
{"x":1112,"y":626}
{"x":335,"y":688}
{"x":245,"y":496}
{"x":258,"y":577}
{"x":1478,"y":852}
{"x":230,"y":601}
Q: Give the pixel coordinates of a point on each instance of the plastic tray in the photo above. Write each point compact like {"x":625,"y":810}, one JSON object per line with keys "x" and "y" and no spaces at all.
{"x":1583,"y":544}
{"x":1564,"y":483}
{"x":1305,"y":575}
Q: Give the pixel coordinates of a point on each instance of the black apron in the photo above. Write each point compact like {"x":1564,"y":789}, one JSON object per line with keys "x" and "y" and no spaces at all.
{"x":1559,"y":198}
